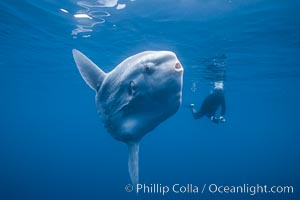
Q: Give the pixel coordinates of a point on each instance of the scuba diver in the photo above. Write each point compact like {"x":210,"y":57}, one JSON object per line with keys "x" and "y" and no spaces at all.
{"x":215,"y":71}
{"x":211,"y":104}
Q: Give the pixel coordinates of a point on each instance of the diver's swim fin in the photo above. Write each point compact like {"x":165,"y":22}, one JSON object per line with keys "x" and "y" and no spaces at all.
{"x":214,"y":119}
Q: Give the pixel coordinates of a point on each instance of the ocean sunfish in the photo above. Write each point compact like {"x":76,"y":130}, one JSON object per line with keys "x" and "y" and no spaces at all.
{"x":135,"y":97}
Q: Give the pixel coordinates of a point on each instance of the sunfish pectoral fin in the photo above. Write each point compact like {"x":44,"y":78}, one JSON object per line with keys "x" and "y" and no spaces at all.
{"x":133,"y":162}
{"x":89,"y":71}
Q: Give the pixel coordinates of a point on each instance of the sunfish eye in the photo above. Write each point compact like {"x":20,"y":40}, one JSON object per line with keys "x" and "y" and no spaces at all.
{"x":149,"y":68}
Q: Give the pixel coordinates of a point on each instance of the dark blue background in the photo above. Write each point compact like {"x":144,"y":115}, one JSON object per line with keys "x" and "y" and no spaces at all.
{"x":53,"y":145}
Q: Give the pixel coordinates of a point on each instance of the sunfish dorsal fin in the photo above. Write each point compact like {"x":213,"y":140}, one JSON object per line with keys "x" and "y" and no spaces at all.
{"x":89,"y":71}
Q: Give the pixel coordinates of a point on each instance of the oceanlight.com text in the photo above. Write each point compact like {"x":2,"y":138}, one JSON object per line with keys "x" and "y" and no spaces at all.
{"x":177,"y":188}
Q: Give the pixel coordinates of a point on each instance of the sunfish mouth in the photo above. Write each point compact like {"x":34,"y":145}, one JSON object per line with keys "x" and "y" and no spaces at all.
{"x":178,"y":67}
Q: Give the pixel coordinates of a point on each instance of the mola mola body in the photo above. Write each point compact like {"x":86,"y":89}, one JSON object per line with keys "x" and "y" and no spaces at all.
{"x":136,"y":96}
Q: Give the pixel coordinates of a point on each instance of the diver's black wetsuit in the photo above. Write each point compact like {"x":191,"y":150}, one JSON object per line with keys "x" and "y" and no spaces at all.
{"x":210,"y":105}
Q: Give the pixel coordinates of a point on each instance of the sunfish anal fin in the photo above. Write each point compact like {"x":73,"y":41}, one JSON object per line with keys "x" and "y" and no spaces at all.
{"x":133,"y":162}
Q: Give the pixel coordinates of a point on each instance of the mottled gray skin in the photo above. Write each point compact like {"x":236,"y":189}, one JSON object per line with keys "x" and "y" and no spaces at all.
{"x":135,"y":97}
{"x":139,"y":94}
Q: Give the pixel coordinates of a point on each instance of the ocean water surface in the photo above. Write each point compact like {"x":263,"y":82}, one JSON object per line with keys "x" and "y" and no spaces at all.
{"x":53,"y":144}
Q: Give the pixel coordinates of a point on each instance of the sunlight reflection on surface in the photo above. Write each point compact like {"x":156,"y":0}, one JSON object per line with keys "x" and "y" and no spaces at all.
{"x":91,"y":14}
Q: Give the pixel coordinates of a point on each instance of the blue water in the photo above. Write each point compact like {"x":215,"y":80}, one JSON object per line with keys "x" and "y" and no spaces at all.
{"x":53,"y":145}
